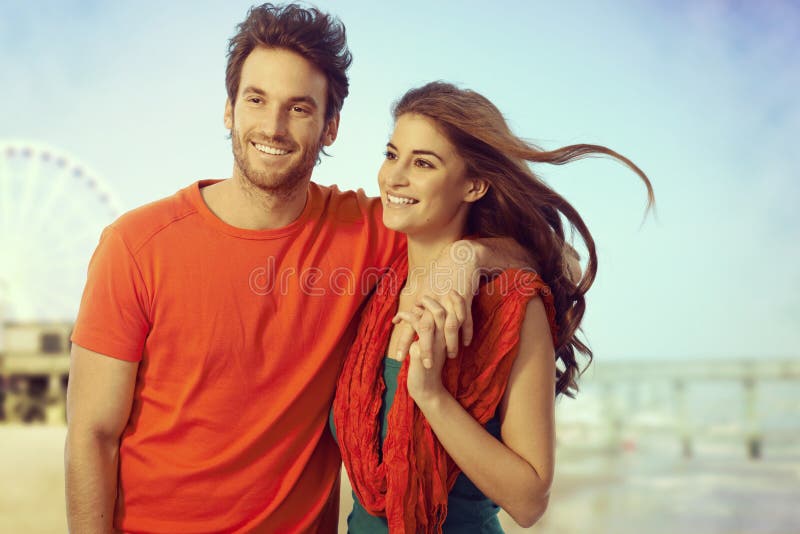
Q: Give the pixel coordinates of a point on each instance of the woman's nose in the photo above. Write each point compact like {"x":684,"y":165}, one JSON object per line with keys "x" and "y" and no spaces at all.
{"x":396,"y":175}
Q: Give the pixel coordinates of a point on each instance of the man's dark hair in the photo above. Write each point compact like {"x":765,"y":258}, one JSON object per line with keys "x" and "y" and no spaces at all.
{"x":317,"y":36}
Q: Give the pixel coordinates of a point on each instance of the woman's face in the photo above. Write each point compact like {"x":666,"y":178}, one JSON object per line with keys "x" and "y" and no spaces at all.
{"x":423,"y":182}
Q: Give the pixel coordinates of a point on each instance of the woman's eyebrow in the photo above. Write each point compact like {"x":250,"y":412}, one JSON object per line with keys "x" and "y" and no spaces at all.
{"x":419,"y":152}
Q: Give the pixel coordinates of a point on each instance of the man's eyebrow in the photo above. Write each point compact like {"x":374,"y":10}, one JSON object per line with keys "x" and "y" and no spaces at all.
{"x":419,"y":152}
{"x":256,"y":90}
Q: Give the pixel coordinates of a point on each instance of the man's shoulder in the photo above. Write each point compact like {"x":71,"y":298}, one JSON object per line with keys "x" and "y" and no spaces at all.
{"x":139,"y":225}
{"x":348,"y":205}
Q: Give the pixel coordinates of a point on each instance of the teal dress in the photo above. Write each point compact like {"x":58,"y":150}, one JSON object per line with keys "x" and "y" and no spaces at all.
{"x":468,"y":510}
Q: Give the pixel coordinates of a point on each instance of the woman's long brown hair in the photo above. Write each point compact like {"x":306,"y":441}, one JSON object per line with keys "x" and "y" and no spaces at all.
{"x":519,"y":204}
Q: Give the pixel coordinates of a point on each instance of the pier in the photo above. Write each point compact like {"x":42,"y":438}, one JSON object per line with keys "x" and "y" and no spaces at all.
{"x":661,"y":390}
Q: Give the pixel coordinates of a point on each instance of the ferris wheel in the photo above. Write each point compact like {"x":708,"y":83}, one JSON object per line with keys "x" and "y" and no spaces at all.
{"x":52,"y":211}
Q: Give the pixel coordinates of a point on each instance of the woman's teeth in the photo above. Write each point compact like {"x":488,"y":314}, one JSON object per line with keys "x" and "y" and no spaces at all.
{"x":400,"y":200}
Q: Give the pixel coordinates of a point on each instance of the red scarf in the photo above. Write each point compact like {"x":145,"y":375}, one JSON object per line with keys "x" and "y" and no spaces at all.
{"x":410,"y":486}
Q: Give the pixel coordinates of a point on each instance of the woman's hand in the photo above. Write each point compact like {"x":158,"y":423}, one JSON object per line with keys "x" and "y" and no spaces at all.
{"x":425,"y":370}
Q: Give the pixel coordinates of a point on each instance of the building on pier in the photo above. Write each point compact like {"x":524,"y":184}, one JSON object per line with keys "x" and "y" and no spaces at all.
{"x":34,"y":368}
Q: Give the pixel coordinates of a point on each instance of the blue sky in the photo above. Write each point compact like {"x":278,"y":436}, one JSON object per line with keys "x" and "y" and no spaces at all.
{"x":703,"y":95}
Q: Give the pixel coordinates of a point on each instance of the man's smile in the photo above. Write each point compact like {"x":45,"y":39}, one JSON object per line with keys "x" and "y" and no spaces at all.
{"x":272,"y":151}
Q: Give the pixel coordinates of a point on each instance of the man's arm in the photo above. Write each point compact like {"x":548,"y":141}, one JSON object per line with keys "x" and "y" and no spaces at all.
{"x":99,"y":398}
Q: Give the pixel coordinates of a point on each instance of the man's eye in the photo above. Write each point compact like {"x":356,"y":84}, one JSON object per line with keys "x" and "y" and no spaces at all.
{"x":254,"y":100}
{"x":298,"y":109}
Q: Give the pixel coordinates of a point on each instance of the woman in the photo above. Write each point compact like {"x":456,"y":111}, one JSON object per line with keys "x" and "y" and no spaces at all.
{"x":432,"y":446}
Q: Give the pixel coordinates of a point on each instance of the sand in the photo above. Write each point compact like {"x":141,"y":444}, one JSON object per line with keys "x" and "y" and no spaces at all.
{"x":642,"y":490}
{"x":32,"y":471}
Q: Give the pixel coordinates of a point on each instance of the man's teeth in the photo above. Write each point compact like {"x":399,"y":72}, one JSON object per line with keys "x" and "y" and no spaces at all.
{"x":399,"y":200}
{"x":269,"y":150}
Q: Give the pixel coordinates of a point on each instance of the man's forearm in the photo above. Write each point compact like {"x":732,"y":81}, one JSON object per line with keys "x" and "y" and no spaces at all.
{"x":499,"y":253}
{"x":90,"y":464}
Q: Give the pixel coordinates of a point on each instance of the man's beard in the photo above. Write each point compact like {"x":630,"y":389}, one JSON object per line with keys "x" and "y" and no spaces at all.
{"x":278,"y":183}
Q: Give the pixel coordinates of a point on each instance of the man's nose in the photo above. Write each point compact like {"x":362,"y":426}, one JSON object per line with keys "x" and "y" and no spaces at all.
{"x":274,"y":122}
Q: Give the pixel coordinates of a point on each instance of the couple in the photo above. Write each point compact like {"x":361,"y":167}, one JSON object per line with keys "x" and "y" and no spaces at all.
{"x":214,"y":331}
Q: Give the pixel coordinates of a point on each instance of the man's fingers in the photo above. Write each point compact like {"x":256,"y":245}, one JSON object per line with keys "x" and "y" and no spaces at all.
{"x":459,"y":306}
{"x":426,"y":329}
{"x":416,"y":356}
{"x":438,"y":311}
{"x":466,"y":326}
{"x":416,"y":312}
{"x":451,"y":327}
{"x":441,"y":316}
{"x":456,"y":310}
{"x":408,"y":317}
{"x":405,"y":336}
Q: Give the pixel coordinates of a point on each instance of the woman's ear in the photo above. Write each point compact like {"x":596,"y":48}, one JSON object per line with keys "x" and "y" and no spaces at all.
{"x":476,"y":189}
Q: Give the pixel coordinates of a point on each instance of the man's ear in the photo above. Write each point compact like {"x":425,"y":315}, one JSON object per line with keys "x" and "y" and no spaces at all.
{"x":476,"y":189}
{"x":331,"y":130}
{"x":228,"y":116}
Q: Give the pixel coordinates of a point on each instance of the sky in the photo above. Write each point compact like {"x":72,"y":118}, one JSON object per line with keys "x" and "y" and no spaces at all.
{"x":703,"y":95}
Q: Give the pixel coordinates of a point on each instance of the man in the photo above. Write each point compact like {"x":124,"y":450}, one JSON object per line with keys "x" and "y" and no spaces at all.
{"x":214,"y":322}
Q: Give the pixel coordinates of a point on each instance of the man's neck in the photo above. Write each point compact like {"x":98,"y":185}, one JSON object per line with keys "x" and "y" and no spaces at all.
{"x":251,"y":208}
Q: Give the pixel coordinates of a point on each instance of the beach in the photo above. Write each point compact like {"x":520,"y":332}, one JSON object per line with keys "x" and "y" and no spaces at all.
{"x":646,"y":487}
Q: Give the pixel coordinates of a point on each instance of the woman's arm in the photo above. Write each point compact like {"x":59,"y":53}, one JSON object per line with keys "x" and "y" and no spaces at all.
{"x":517,"y":472}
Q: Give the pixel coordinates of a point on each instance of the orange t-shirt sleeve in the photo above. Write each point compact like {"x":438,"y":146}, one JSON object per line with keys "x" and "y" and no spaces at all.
{"x":113,"y":318}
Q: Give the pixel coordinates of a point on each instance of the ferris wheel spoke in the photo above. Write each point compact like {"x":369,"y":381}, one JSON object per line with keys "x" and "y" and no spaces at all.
{"x":45,"y":208}
{"x":45,"y":281}
{"x":46,"y":261}
{"x":5,"y":195}
{"x":92,"y":219}
{"x":96,"y":219}
{"x":72,"y":244}
{"x":48,"y":302}
{"x":30,"y":185}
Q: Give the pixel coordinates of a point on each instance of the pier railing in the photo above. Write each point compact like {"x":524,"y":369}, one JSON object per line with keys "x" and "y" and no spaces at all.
{"x":620,"y":387}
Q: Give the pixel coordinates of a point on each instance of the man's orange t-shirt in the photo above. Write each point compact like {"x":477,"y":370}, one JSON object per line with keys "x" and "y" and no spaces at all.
{"x":240,"y":335}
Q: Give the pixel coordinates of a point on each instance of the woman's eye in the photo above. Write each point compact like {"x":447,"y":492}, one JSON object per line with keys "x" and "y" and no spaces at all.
{"x":390,"y":155}
{"x":423,"y":163}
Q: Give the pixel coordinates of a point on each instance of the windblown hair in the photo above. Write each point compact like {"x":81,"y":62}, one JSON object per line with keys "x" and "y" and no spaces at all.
{"x":318,"y":37}
{"x":519,"y":204}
